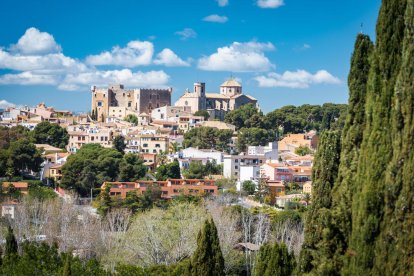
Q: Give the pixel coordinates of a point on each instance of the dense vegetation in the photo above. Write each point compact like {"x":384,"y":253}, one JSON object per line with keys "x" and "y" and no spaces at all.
{"x":368,"y":230}
{"x":18,"y":154}
{"x":92,"y":165}
{"x":51,"y":134}
{"x":290,"y":119}
{"x":208,"y":138}
{"x":196,"y":169}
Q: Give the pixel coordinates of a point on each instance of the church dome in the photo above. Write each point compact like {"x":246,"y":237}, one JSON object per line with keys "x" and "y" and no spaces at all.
{"x":230,"y":83}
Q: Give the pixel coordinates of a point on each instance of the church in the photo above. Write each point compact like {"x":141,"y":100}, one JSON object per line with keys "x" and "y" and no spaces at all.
{"x":217,"y":105}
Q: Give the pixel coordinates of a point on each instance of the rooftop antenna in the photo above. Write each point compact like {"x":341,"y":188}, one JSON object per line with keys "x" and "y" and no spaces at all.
{"x":362,"y":27}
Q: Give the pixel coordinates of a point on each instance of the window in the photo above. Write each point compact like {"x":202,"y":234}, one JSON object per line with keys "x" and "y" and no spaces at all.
{"x":145,"y":145}
{"x":157,"y":145}
{"x":186,"y":103}
{"x":129,"y":104}
{"x":99,"y":103}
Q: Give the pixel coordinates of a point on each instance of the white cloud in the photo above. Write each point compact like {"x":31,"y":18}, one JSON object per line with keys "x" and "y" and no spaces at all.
{"x":216,"y":18}
{"x":5,"y":104}
{"x":48,"y":66}
{"x":168,"y":58}
{"x":270,"y":4}
{"x":29,"y":78}
{"x":136,"y":53}
{"x":125,"y":76}
{"x":39,"y":62}
{"x":238,"y":57}
{"x":35,"y":42}
{"x":186,"y":33}
{"x":298,"y":79}
{"x":222,"y":3}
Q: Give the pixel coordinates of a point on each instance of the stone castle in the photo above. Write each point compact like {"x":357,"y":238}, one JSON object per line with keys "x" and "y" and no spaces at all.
{"x":116,"y":101}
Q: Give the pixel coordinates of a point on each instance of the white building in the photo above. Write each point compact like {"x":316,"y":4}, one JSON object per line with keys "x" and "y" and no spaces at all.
{"x":234,"y":163}
{"x":270,"y":152}
{"x":193,"y":153}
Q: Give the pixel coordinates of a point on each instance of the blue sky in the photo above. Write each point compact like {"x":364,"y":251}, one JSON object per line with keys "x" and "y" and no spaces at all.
{"x":283,"y":52}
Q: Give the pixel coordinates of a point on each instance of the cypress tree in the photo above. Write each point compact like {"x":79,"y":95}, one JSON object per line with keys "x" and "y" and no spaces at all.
{"x":319,"y":232}
{"x":274,"y":260}
{"x":350,"y":143}
{"x":208,"y":258}
{"x":11,"y":243}
{"x":376,"y":149}
{"x":394,"y":247}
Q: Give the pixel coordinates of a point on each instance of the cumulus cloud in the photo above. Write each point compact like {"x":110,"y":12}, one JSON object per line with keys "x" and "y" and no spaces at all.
{"x":298,"y":79}
{"x":222,"y":3}
{"x":238,"y":57}
{"x":5,"y":104}
{"x":136,"y":53}
{"x":47,"y":65}
{"x":124,"y":76}
{"x":35,"y":42}
{"x":168,"y":58}
{"x":186,"y":33}
{"x":270,"y":4}
{"x":215,"y":18}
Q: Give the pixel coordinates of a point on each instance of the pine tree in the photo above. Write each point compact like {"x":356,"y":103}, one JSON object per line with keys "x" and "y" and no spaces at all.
{"x":208,"y":258}
{"x":11,"y":243}
{"x":319,"y":231}
{"x":274,"y":260}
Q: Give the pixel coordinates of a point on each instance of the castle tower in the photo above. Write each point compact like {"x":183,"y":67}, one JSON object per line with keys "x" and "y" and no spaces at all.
{"x":200,"y":90}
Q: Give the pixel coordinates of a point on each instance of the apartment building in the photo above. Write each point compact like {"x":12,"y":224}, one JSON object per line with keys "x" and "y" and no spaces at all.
{"x":169,"y":188}
{"x":78,"y":138}
{"x":146,"y":143}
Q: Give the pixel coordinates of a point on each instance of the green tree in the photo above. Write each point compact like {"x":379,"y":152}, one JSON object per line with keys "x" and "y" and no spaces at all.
{"x":196,"y":170}
{"x":274,"y":260}
{"x":303,"y":150}
{"x":245,"y":116}
{"x":319,"y":229}
{"x":131,"y":118}
{"x":105,"y":200}
{"x":208,"y":138}
{"x":249,"y":187}
{"x":23,"y":156}
{"x":203,"y":113}
{"x":119,"y":143}
{"x":49,"y":133}
{"x":208,"y":258}
{"x":11,"y":244}
{"x":168,"y":171}
{"x":254,"y":137}
{"x":131,"y":168}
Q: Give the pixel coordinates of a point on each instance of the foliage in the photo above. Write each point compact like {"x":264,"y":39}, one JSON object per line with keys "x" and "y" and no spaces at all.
{"x":319,"y":229}
{"x":197,"y":170}
{"x":246,"y":116}
{"x":22,"y":156}
{"x":303,"y":150}
{"x":254,"y":137}
{"x":40,"y":192}
{"x":203,"y":113}
{"x":119,"y":143}
{"x":52,"y":134}
{"x":11,"y":244}
{"x":131,"y":118}
{"x":274,"y":260}
{"x":92,"y":165}
{"x":208,"y":138}
{"x":168,"y":171}
{"x":249,"y":187}
{"x":208,"y":258}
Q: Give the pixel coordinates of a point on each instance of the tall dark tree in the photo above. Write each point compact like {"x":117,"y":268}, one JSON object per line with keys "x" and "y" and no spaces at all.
{"x":11,"y":243}
{"x":386,"y":124}
{"x":208,"y":259}
{"x":319,"y":230}
{"x":274,"y":260}
{"x":351,"y":142}
{"x":119,"y":143}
